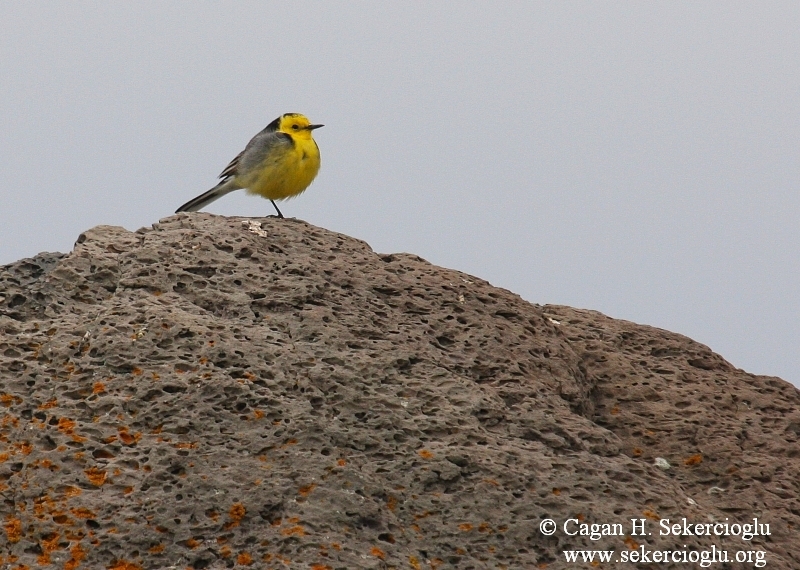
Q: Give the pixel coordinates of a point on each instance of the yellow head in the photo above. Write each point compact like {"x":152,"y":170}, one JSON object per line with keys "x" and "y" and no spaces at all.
{"x":294,"y":124}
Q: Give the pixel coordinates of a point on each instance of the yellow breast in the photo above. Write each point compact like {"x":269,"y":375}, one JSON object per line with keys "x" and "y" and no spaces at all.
{"x":289,"y":173}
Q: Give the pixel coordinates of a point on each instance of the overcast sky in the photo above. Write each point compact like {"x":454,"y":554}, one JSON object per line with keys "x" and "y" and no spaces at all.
{"x":636,"y":158}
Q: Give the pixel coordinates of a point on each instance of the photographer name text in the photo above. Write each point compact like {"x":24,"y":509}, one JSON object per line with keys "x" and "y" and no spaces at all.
{"x":666,"y":527}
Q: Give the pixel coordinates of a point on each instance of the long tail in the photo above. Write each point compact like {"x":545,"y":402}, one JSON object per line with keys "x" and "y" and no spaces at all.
{"x":206,"y":198}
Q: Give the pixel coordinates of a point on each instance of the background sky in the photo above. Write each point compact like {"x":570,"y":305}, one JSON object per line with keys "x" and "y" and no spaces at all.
{"x":637,"y":158}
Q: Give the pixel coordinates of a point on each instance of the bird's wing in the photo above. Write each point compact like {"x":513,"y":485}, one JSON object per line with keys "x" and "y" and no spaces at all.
{"x":232,"y":168}
{"x":261,"y":145}
{"x":264,"y":148}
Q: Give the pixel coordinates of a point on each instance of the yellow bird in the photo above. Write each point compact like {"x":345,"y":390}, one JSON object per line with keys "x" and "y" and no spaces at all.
{"x":278,"y":163}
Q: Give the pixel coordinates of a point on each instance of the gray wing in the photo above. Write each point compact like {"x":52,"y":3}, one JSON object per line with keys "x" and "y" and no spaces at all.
{"x":256,"y":151}
{"x":232,"y":168}
{"x":260,"y":147}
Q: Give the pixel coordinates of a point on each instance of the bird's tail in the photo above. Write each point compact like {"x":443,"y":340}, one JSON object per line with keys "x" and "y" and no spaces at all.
{"x":206,"y":198}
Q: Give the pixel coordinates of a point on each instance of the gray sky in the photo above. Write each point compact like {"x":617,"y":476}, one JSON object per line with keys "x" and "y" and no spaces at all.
{"x":637,"y":158}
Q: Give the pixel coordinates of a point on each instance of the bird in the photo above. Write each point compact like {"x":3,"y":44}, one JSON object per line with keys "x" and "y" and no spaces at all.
{"x":278,"y":163}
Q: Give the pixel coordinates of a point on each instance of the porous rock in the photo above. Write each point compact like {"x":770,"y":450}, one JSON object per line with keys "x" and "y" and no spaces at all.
{"x":221,"y":392}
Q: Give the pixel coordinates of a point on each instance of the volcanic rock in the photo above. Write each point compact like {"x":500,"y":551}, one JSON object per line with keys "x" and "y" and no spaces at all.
{"x":221,"y":392}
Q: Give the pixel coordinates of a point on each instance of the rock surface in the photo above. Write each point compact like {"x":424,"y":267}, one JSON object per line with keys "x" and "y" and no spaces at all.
{"x":220,"y":392}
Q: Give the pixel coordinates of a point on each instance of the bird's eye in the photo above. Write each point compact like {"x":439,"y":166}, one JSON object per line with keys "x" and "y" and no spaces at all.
{"x":295,"y":127}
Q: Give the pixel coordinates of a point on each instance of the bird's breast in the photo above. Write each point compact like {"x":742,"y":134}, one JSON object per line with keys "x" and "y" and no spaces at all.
{"x":288,"y":173}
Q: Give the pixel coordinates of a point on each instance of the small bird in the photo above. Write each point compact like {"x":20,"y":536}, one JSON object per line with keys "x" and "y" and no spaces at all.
{"x":278,"y":163}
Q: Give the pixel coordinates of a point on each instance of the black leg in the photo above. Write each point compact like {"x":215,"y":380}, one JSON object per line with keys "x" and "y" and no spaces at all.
{"x":276,"y":209}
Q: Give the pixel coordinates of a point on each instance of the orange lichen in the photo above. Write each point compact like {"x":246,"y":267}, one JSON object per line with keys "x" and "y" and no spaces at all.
{"x":465,"y":527}
{"x":124,"y":565}
{"x":414,"y":562}
{"x":23,"y":447}
{"x":289,"y":442}
{"x":13,"y":528}
{"x":98,"y":388}
{"x":186,"y":445}
{"x":306,"y":490}
{"x":46,"y":464}
{"x":4,"y":457}
{"x":74,"y":535}
{"x":127,"y":438}
{"x":556,"y":491}
{"x":391,"y":503}
{"x":71,"y":491}
{"x":295,"y":530}
{"x":9,"y":421}
{"x":7,"y":400}
{"x":341,"y":463}
{"x":83,"y":513}
{"x":377,"y":552}
{"x":425,"y":454}
{"x":258,"y":414}
{"x":491,"y":482}
{"x":320,"y":567}
{"x":78,"y":554}
{"x":136,"y":371}
{"x":96,"y":476}
{"x":67,"y":427}
{"x":244,"y":559}
{"x":225,"y":551}
{"x":156,"y":549}
{"x":693,"y":459}
{"x":615,"y":410}
{"x":637,"y":451}
{"x":48,"y":544}
{"x":484,"y":527}
{"x":651,"y":515}
{"x":47,"y":405}
{"x":237,"y":512}
{"x":43,"y":505}
{"x":192,"y":543}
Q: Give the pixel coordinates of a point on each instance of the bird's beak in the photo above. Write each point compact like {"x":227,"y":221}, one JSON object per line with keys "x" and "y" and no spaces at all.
{"x":312,"y":127}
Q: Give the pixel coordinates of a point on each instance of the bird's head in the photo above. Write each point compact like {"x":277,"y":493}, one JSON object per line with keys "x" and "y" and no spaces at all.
{"x":296,"y":125}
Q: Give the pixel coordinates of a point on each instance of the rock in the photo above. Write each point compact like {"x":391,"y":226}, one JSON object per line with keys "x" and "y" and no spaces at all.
{"x":216,"y":392}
